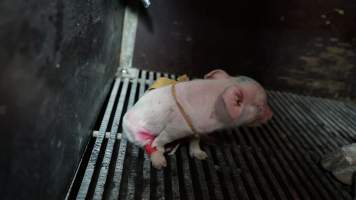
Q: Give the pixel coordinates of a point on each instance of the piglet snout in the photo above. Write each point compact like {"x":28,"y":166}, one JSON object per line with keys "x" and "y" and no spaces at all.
{"x":267,"y":115}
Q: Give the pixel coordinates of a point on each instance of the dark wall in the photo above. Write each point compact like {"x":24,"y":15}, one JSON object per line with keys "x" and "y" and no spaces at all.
{"x":301,"y":46}
{"x":57,"y":62}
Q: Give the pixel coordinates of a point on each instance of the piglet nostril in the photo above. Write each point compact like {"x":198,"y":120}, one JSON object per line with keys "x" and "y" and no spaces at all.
{"x":267,"y":115}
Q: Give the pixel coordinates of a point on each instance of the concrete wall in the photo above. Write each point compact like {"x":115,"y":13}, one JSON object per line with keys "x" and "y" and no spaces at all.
{"x":57,"y":62}
{"x":301,"y":46}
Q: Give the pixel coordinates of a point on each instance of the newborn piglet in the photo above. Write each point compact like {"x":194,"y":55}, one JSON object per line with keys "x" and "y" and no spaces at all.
{"x":192,"y":108}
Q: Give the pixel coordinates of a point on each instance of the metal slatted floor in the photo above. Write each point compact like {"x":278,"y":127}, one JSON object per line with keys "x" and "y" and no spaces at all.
{"x":279,"y":160}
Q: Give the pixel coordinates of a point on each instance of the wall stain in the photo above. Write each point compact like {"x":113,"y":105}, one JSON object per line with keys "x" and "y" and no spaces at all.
{"x":59,"y":25}
{"x":327,"y":70}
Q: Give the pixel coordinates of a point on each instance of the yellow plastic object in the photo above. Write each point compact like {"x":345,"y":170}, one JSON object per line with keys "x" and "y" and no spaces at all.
{"x":183,"y":78}
{"x":161,"y":82}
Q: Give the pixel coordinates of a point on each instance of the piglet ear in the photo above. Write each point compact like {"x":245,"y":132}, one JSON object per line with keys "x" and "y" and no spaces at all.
{"x":233,"y":99}
{"x":216,"y":74}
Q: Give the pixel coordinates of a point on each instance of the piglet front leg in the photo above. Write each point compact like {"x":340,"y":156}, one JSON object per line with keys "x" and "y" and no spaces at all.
{"x":194,"y":149}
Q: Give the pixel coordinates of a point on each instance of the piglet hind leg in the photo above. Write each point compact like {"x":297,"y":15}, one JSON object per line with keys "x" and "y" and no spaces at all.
{"x":157,"y":158}
{"x":194,"y":149}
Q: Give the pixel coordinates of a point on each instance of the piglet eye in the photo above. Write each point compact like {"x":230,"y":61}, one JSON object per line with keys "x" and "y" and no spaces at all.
{"x":238,"y":102}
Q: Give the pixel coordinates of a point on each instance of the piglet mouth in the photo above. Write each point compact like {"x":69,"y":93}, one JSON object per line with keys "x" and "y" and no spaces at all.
{"x":257,"y":122}
{"x":254,"y":123}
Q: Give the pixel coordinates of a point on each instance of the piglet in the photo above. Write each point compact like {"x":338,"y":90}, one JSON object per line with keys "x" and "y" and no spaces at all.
{"x":198,"y":107}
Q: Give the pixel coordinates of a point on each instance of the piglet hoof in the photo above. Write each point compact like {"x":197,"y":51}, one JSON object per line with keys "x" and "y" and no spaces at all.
{"x":158,"y":160}
{"x":198,"y":154}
